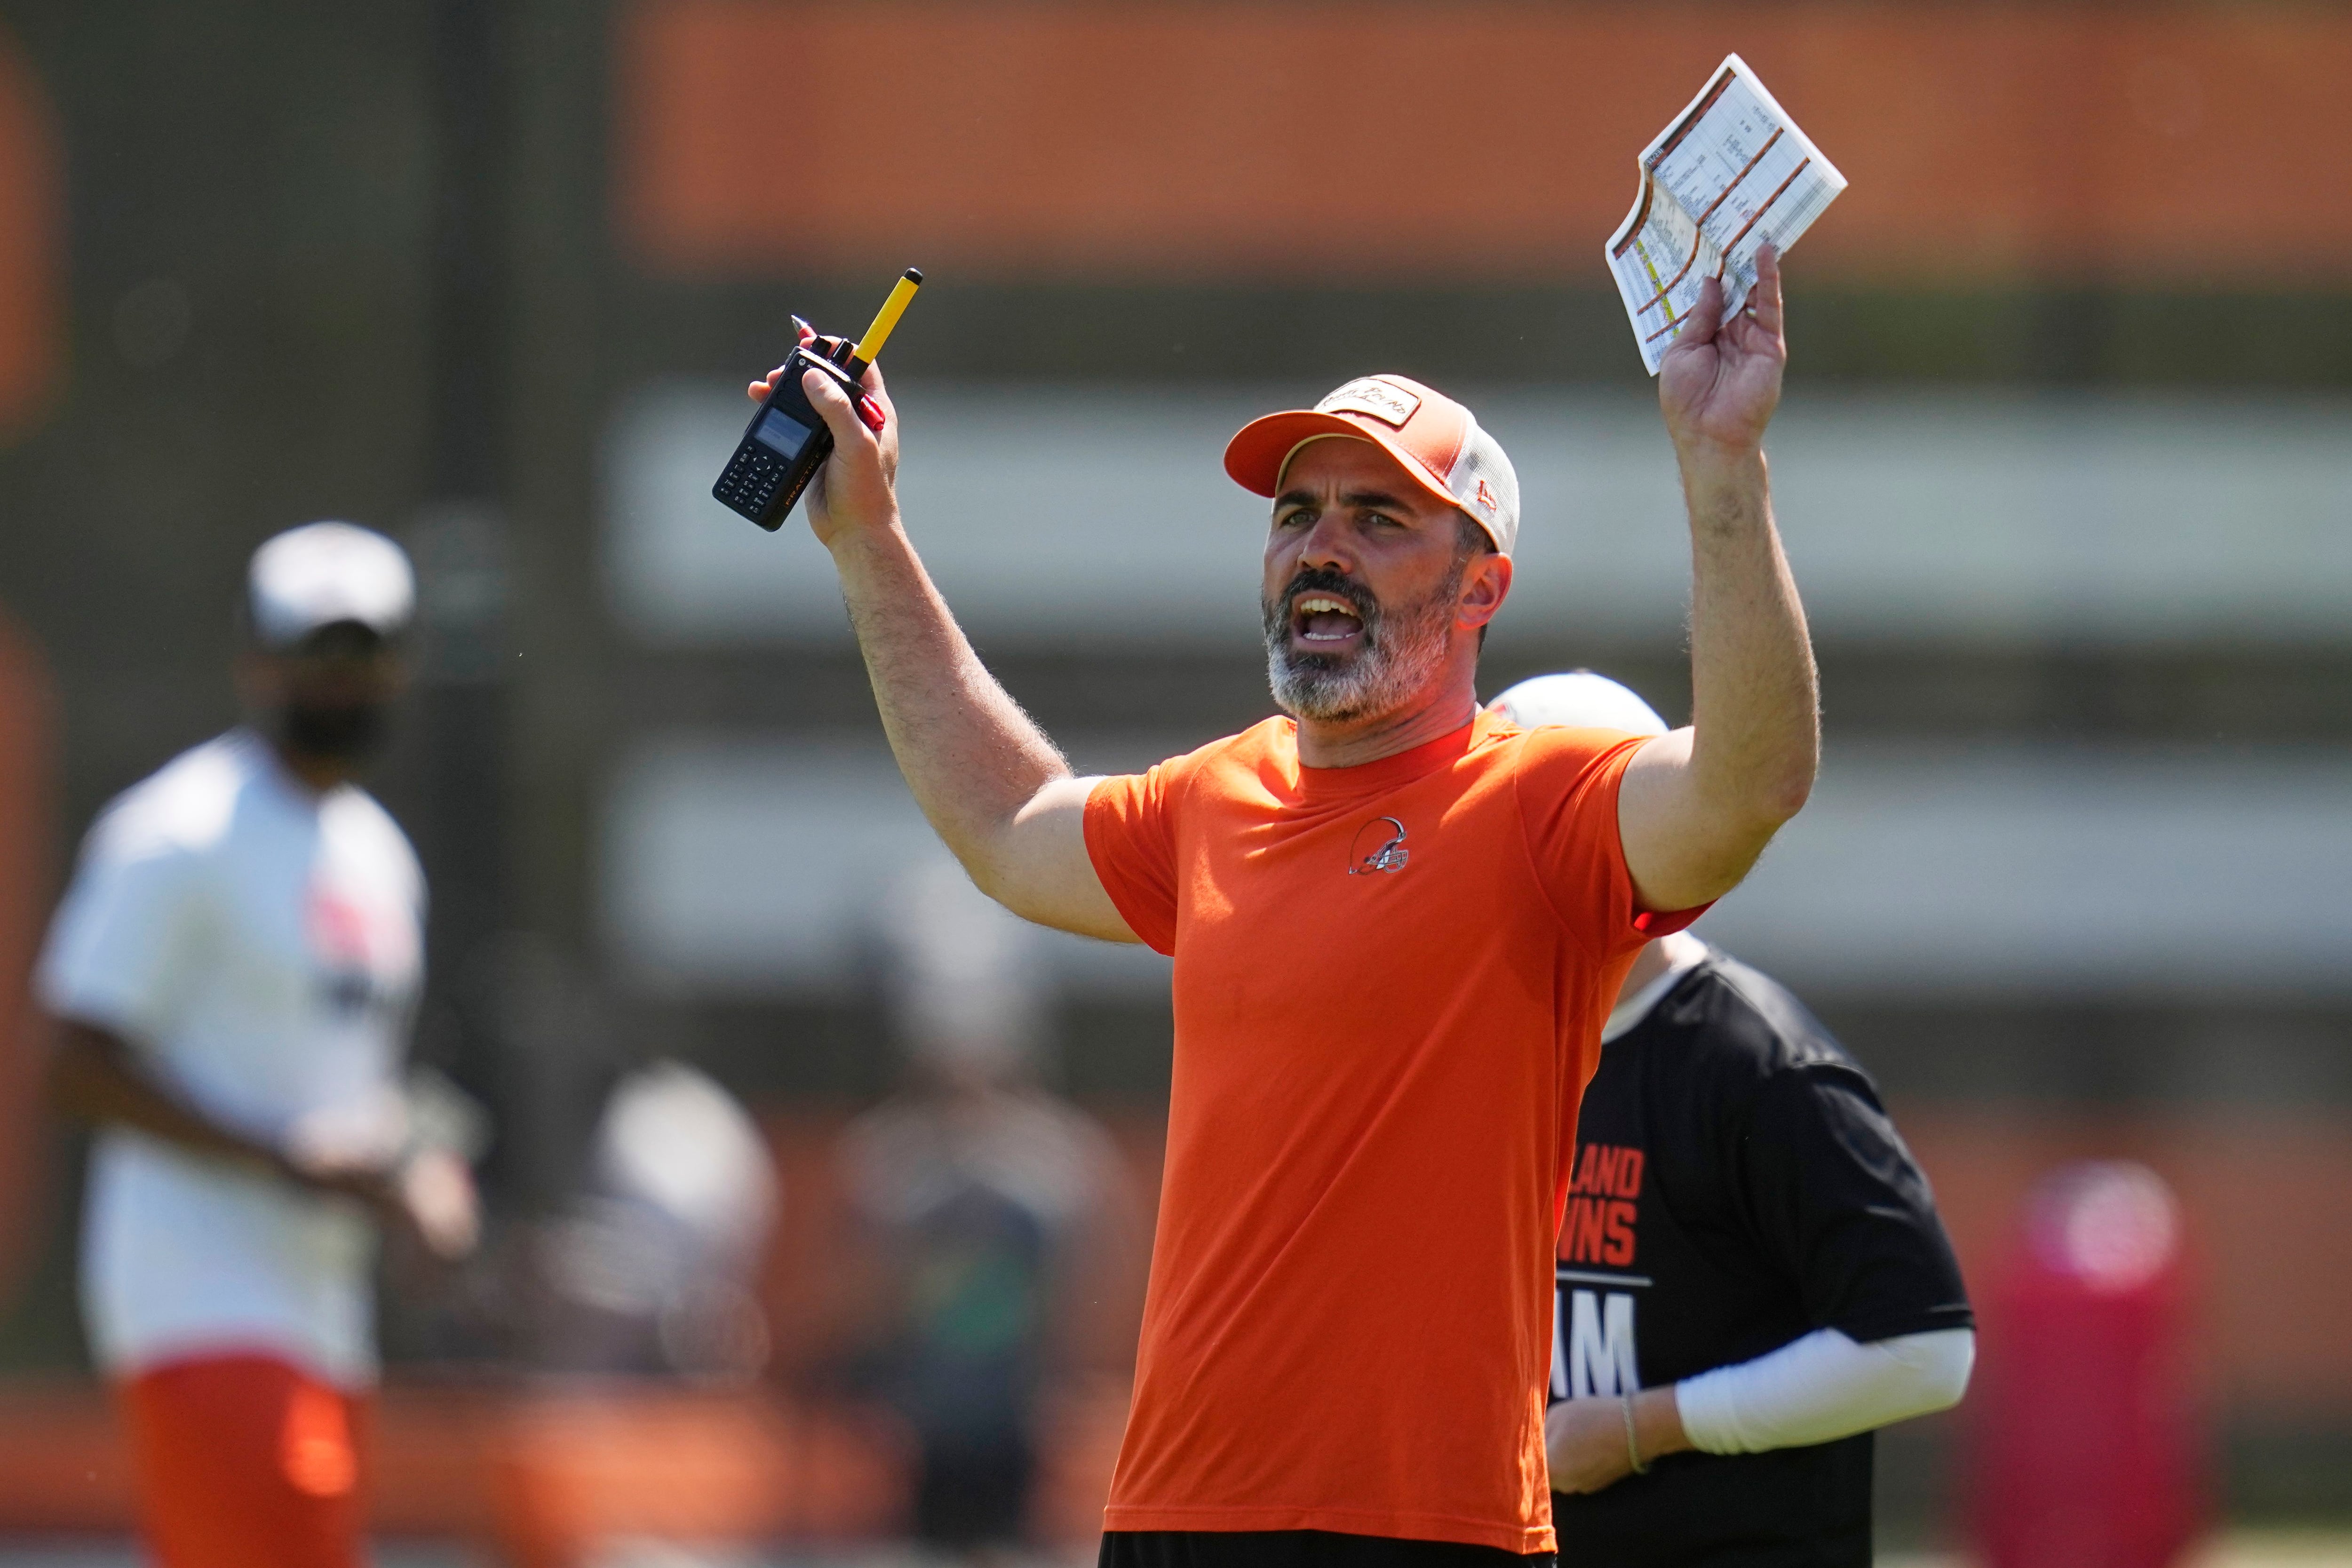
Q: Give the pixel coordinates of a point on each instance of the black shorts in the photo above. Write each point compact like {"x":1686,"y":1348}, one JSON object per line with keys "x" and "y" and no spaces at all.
{"x":973,"y":1490}
{"x":1298,"y":1548}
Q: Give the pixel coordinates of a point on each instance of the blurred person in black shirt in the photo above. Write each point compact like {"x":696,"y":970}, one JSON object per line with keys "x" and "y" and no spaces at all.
{"x":995,"y":1210}
{"x":1752,"y":1274}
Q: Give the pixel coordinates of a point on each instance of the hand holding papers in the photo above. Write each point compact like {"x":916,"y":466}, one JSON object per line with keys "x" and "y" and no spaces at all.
{"x":1732,"y":174}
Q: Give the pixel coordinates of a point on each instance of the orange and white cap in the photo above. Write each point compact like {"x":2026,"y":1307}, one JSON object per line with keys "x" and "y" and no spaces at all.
{"x":1436,"y":439}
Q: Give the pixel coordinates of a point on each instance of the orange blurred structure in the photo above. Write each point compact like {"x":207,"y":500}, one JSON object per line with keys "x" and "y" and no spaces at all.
{"x":543,"y":1477}
{"x":1492,"y":141}
{"x":32,"y":239}
{"x":26,"y":835}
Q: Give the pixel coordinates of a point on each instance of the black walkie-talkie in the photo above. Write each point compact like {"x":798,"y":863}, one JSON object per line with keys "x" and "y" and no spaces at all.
{"x":787,"y":441}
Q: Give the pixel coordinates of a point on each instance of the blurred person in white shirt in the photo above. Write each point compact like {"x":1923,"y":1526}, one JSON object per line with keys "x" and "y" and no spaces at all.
{"x":652,"y":1268}
{"x":232,"y":978}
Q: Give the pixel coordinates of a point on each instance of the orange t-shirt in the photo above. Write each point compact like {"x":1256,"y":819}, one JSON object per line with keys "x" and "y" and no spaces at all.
{"x":1389,"y":990}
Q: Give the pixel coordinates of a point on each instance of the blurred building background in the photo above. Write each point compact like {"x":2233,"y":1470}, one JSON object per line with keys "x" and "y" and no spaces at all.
{"x":2065,"y":470}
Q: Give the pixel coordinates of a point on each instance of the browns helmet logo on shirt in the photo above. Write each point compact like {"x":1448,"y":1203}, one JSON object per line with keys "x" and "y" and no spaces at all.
{"x":1379,"y":846}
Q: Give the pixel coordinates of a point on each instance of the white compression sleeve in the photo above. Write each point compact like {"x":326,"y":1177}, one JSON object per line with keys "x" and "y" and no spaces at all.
{"x":1823,"y":1386}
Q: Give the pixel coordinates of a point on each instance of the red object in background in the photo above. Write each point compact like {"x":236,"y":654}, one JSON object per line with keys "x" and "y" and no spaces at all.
{"x":32,"y":243}
{"x":27,"y":735}
{"x":2089,"y":1452}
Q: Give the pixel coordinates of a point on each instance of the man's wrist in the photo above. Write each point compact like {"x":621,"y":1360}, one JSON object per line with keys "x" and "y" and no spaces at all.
{"x":1658,"y":1424}
{"x":282,"y":1164}
{"x":1725,"y":490}
{"x":854,"y":543}
{"x":1713,"y":465}
{"x":369,"y":1183}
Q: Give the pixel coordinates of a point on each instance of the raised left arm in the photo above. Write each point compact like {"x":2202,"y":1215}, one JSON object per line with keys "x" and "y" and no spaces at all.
{"x":1698,"y":806}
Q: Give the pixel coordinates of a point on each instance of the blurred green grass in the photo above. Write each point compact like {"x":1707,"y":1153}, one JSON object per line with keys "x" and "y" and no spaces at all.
{"x":2230,"y":1549}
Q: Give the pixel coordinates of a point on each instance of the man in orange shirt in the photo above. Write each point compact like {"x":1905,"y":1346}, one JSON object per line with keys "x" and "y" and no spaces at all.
{"x":1397,"y":926}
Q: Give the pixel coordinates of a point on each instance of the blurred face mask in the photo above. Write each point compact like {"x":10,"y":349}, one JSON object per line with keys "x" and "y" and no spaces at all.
{"x":344,"y":732}
{"x":334,"y":695}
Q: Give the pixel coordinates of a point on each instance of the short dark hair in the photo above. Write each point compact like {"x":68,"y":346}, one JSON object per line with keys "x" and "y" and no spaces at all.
{"x":1471,"y":541}
{"x":1470,"y":536}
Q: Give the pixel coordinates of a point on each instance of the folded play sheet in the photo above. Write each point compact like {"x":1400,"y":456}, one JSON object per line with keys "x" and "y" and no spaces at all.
{"x":1730,"y":174}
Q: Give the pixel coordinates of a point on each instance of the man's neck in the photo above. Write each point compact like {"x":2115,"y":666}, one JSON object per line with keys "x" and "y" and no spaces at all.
{"x":1666,"y":953}
{"x":314,"y":773}
{"x":1353,"y":743}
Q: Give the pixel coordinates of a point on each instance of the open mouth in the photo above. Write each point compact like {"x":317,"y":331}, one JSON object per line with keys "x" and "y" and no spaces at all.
{"x":1324,"y":620}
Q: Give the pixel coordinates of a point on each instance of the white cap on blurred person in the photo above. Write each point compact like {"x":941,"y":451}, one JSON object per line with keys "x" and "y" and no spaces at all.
{"x":1580,"y":699}
{"x":325,"y":573}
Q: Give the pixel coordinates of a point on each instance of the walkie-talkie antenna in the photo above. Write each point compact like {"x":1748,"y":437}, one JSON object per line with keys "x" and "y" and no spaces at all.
{"x":870,"y":347}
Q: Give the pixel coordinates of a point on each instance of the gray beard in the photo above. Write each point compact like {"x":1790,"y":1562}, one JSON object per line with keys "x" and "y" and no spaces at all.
{"x":1400,"y":650}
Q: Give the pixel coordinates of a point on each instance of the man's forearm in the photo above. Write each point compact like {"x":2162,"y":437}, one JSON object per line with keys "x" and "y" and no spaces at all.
{"x":1755,"y":698}
{"x":1696,"y":807}
{"x":1823,"y":1386}
{"x":973,"y":758}
{"x":91,"y":1076}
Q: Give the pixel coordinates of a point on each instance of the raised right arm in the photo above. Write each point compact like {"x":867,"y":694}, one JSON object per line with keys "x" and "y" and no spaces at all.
{"x":995,"y":789}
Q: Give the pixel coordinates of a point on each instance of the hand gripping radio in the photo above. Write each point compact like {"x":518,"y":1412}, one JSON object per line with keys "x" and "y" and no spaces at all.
{"x":787,"y":441}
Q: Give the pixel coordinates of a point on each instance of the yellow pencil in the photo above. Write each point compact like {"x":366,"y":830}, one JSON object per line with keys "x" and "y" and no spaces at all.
{"x":885,"y":320}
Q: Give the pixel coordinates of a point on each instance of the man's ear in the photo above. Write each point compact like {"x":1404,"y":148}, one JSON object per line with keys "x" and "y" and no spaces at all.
{"x":1485,"y":583}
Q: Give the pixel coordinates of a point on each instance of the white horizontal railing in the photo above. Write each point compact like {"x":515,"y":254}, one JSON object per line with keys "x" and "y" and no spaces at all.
{"x":1071,"y":518}
{"x":735,"y":865}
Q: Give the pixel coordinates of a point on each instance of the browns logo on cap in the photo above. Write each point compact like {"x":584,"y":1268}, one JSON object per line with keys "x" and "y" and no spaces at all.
{"x":1436,"y":439}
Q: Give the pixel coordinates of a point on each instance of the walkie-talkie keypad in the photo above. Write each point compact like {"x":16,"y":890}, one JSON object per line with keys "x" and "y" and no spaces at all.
{"x":750,"y":481}
{"x":780,"y":450}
